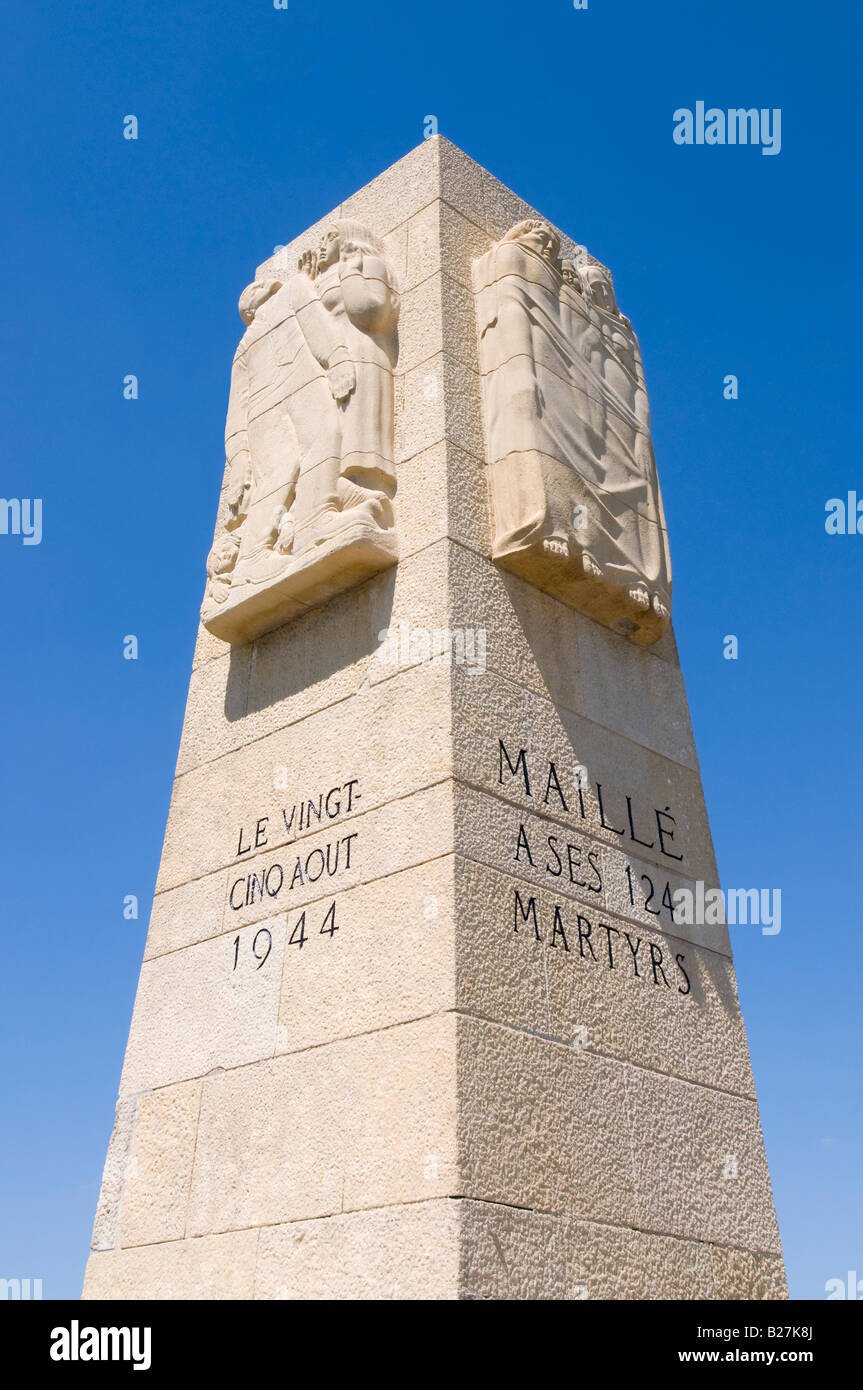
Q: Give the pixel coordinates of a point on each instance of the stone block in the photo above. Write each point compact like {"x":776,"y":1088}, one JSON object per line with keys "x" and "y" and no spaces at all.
{"x":156,"y":1190}
{"x":305,"y":761}
{"x":213,"y":1267}
{"x":211,"y":1005}
{"x":577,"y":773}
{"x":399,"y":192}
{"x":577,"y":985}
{"x":516,"y":1254}
{"x":575,"y":867}
{"x":393,"y":1253}
{"x":701,"y":1169}
{"x":364,"y":1122}
{"x":377,"y":955}
{"x":107,"y":1219}
{"x":542,"y":1126}
{"x":413,"y":830}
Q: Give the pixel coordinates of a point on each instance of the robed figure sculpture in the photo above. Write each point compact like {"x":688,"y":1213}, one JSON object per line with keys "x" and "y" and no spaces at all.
{"x":306,"y":508}
{"x":575,"y":495}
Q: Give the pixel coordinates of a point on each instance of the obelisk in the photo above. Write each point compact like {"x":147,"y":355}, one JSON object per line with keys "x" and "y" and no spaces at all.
{"x":418,"y":1015}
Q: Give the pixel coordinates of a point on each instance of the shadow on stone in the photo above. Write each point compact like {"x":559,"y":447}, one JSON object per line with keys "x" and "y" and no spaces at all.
{"x":310,"y":649}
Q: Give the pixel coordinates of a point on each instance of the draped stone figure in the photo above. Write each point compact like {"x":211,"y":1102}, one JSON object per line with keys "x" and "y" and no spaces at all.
{"x":309,"y":438}
{"x":575,"y":495}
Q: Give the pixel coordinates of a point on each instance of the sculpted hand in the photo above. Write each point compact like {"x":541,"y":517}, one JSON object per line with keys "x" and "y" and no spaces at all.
{"x":342,"y":379}
{"x":239,"y":489}
{"x":308,"y":264}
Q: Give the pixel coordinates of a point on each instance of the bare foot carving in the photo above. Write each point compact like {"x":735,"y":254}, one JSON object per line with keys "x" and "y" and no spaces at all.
{"x":660,"y":607}
{"x":283,"y":525}
{"x":638,"y":596}
{"x":589,"y":565}
{"x":553,"y":545}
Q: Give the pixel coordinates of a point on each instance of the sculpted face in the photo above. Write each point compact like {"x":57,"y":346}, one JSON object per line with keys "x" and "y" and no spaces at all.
{"x":601,"y":291}
{"x":254,"y":296}
{"x":328,"y":251}
{"x":541,"y":239}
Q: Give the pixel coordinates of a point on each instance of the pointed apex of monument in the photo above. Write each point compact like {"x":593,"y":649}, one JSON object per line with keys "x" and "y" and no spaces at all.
{"x":436,"y":177}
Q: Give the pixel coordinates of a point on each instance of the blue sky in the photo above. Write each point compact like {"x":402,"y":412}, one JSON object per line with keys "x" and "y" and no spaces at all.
{"x":128,"y":257}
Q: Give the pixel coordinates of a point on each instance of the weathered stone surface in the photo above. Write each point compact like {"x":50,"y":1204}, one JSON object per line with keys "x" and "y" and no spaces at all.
{"x":517,"y":1254}
{"x":542,"y":1126}
{"x":578,"y":985}
{"x":399,"y":192}
{"x":185,"y":915}
{"x":365,"y":1122}
{"x":442,"y":239}
{"x":375,"y":956}
{"x":573,"y":865}
{"x":107,"y":1219}
{"x":322,"y":659}
{"x":307,"y":760}
{"x":397,"y":1252}
{"x":156,"y":1190}
{"x":647,"y":695}
{"x":557,"y":1129}
{"x":437,"y":400}
{"x":221,"y":1266}
{"x":701,"y":1168}
{"x":207,"y":647}
{"x":210,"y":1005}
{"x":537,"y":641}
{"x":479,"y":196}
{"x":565,"y":757}
{"x":740,"y":1274}
{"x":452,"y":487}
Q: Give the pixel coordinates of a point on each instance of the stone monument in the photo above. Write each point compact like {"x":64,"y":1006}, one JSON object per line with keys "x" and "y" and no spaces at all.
{"x":418,"y":1016}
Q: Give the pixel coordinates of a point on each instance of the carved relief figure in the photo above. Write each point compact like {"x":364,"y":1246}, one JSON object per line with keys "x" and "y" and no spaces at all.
{"x":309,"y":436}
{"x":575,"y":495}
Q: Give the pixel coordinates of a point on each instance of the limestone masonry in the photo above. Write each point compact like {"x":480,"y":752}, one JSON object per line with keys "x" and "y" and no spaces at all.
{"x":417,"y":1017}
